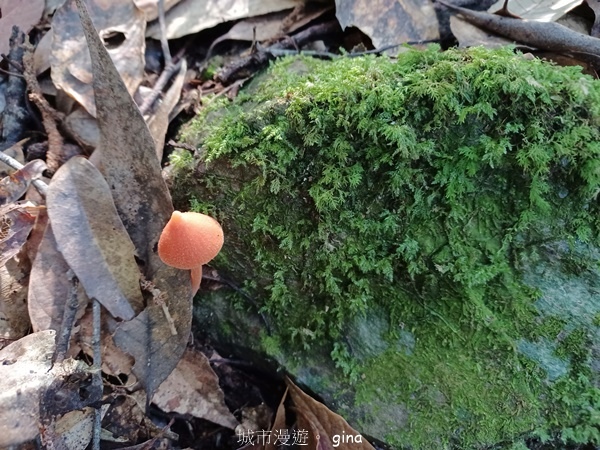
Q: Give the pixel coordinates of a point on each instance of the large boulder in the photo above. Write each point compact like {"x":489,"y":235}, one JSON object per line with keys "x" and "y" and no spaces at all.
{"x":415,"y":240}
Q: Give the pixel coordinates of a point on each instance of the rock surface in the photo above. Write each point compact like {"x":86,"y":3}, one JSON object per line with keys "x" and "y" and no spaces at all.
{"x":421,"y":240}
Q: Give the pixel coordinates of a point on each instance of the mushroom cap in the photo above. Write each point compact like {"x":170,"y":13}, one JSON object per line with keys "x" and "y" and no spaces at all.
{"x":189,"y":240}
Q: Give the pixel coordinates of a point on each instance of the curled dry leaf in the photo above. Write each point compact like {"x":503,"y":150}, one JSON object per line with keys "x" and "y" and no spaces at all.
{"x":16,"y":221}
{"x":389,"y":22}
{"x":193,"y":388}
{"x":92,"y":239}
{"x":191,"y":16}
{"x":122,"y":26}
{"x":14,"y":14}
{"x":16,"y":184}
{"x":144,"y":205}
{"x":325,"y":428}
{"x":26,"y":373}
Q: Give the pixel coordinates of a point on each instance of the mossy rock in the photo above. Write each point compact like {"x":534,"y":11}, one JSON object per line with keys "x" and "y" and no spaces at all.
{"x":420,"y":236}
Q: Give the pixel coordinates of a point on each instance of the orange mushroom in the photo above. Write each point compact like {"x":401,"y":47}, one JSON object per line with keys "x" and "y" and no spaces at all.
{"x":188,"y":241}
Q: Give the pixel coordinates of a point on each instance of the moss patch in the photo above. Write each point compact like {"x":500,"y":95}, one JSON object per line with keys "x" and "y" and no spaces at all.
{"x":423,"y":189}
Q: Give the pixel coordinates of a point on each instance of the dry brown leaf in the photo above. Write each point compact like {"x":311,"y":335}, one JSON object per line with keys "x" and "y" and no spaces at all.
{"x":14,"y":186}
{"x":121,"y":25}
{"x":325,"y":428}
{"x":74,"y":429}
{"x":14,"y":151}
{"x":15,"y":14}
{"x":389,"y":22}
{"x":83,"y":127}
{"x":49,"y":286}
{"x":124,"y":420}
{"x":114,"y":361}
{"x":14,"y":277}
{"x":193,"y":388}
{"x":26,"y":372}
{"x":158,"y":122}
{"x":127,"y":158}
{"x":469,"y":35}
{"x":150,"y":7}
{"x":92,"y":238}
{"x":538,"y":10}
{"x":279,"y":422}
{"x":191,"y":16}
{"x":16,"y":221}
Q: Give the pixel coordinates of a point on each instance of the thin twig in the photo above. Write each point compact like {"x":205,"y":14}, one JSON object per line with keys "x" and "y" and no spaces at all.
{"x":54,"y":156}
{"x":97,"y":371}
{"x":163,"y":33}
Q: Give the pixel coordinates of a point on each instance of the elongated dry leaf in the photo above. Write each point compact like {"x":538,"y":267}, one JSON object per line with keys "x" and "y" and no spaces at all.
{"x":323,"y":425}
{"x":193,"y":388}
{"x":127,"y":158}
{"x":539,"y":10}
{"x":191,"y":16}
{"x":543,"y":35}
{"x":122,"y":26}
{"x":49,"y":287}
{"x":158,"y":123}
{"x":92,"y":239}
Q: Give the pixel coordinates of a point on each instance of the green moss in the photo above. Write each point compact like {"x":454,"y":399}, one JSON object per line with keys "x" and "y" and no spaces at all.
{"x":421,"y":187}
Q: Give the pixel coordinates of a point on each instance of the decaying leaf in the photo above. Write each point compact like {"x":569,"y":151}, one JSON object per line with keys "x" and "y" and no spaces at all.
{"x":127,"y":158}
{"x":191,"y":16}
{"x":73,"y":430}
{"x":122,"y":26}
{"x":193,"y":388}
{"x":469,"y":35}
{"x":16,"y":184}
{"x":15,"y":151}
{"x":49,"y":287}
{"x":92,"y":239}
{"x":158,"y":123}
{"x":325,"y":428}
{"x":389,"y":22}
{"x":16,"y":221}
{"x":26,"y":373}
{"x":15,"y":14}
{"x":539,"y":10}
{"x":14,"y":320}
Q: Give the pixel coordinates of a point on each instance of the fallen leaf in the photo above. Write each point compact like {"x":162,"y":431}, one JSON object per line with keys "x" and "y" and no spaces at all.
{"x":14,"y":14}
{"x":127,"y":158}
{"x":279,"y":423}
{"x":14,"y":321}
{"x":150,"y":7}
{"x":193,"y":388}
{"x":122,"y":27}
{"x":325,"y":428}
{"x":16,"y":221}
{"x":158,"y":122}
{"x":469,"y":35}
{"x":14,"y":186}
{"x":83,"y":127}
{"x":191,"y":16}
{"x":92,"y":239}
{"x":538,"y":10}
{"x":15,"y":151}
{"x":74,"y":429}
{"x":49,"y":287}
{"x":26,"y":374}
{"x":389,"y":22}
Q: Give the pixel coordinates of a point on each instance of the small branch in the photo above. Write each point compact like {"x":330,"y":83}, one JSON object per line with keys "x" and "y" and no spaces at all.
{"x":13,"y":163}
{"x":55,"y":154}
